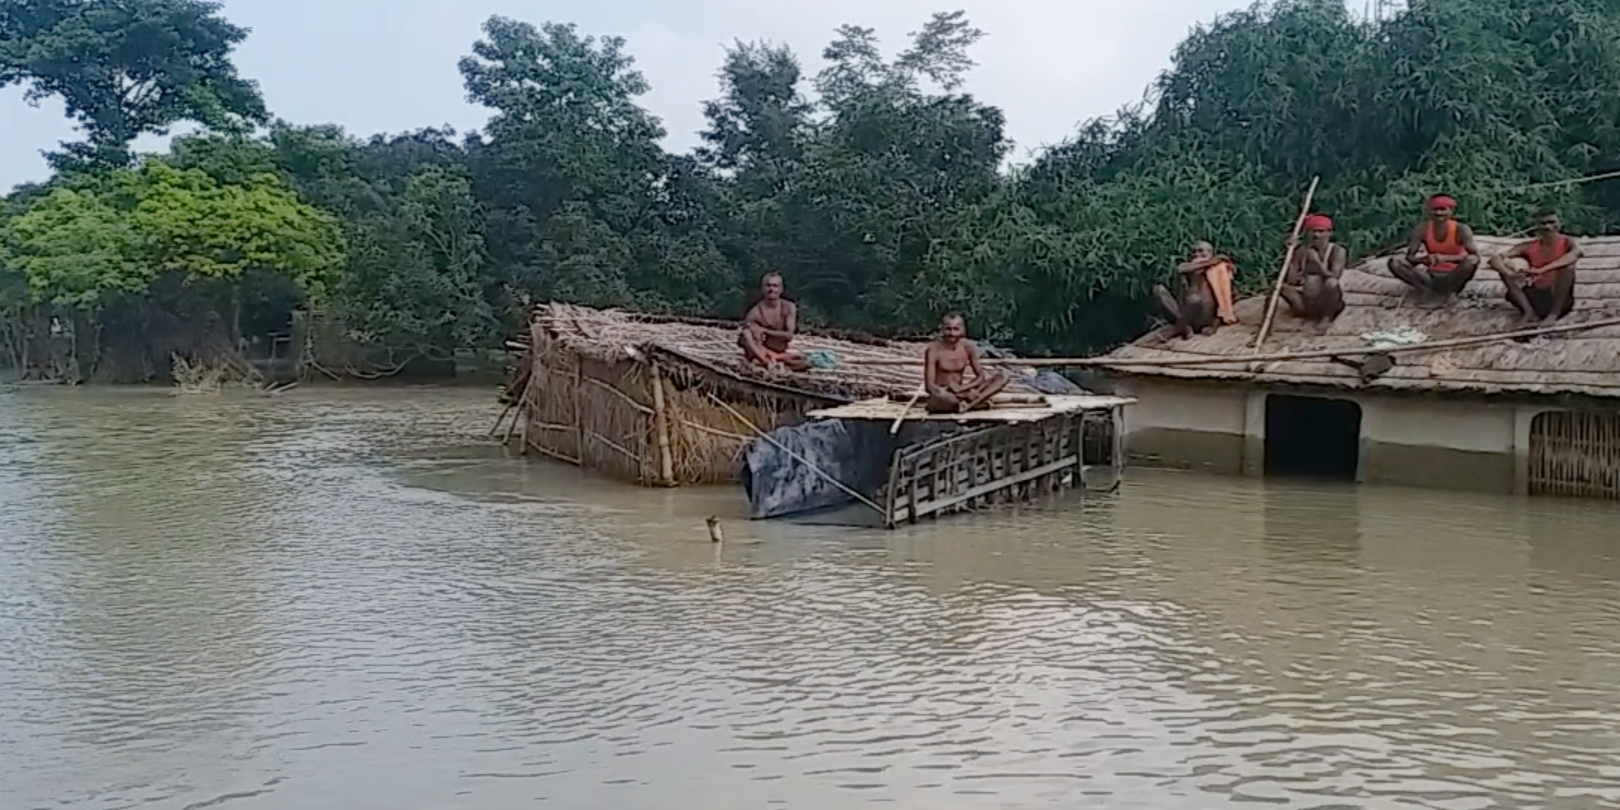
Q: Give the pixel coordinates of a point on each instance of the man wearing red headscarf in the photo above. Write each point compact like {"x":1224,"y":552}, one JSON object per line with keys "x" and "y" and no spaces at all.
{"x":1441,"y":257}
{"x":1311,"y":287}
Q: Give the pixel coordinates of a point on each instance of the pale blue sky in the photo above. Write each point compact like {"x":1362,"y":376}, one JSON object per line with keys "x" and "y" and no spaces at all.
{"x":390,"y":65}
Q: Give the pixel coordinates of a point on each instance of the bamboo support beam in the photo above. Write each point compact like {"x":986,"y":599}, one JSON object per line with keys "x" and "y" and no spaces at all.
{"x":666,"y":460}
{"x":1318,"y":354}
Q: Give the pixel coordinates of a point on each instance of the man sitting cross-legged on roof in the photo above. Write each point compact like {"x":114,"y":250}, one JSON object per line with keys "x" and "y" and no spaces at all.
{"x":944,"y":363}
{"x":1441,"y":257}
{"x":1545,"y":290}
{"x":769,"y":328}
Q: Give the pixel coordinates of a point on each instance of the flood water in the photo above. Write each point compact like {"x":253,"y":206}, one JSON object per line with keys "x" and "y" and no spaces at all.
{"x":348,"y":599}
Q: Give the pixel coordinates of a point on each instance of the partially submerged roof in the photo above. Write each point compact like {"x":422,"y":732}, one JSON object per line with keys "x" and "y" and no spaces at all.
{"x":1381,"y":307}
{"x":872,"y":368}
{"x":888,"y":410}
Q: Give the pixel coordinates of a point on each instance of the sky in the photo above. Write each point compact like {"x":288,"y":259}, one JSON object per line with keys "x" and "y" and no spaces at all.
{"x":390,"y":65}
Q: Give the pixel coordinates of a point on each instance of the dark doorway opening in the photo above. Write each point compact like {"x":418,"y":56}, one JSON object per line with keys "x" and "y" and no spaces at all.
{"x":1312,"y":437}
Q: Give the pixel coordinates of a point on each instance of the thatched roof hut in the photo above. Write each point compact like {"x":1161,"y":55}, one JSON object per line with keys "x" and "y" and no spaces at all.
{"x":664,"y":401}
{"x":1487,"y":404}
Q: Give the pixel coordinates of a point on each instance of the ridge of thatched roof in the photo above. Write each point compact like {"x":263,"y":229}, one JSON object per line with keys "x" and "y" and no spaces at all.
{"x":1582,"y":363}
{"x":610,"y":335}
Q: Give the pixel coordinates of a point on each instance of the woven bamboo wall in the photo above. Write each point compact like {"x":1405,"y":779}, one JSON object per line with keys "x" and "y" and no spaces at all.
{"x":603,"y":416}
{"x":1575,"y":454}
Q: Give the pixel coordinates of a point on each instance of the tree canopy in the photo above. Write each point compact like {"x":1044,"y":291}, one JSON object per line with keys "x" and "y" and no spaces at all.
{"x":126,"y":68}
{"x":876,"y":186}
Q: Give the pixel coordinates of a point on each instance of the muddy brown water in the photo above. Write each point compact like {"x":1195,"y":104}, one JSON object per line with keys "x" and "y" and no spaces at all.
{"x":346,"y":599}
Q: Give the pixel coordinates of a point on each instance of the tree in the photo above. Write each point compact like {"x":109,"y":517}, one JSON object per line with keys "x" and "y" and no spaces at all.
{"x":416,"y":273}
{"x":582,"y":201}
{"x":886,"y":175}
{"x":125,"y":68}
{"x":74,"y":250}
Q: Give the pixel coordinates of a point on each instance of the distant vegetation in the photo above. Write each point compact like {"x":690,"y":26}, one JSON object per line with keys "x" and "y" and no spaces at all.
{"x":875,"y":185}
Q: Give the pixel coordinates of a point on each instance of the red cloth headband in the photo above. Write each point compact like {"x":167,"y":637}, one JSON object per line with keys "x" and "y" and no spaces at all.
{"x":1441,"y":201}
{"x":1318,"y":222}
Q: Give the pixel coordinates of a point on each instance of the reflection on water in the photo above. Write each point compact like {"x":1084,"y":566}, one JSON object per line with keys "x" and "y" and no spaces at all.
{"x":346,"y":599}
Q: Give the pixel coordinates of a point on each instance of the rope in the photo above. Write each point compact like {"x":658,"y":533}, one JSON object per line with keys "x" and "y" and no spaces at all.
{"x":796,"y":457}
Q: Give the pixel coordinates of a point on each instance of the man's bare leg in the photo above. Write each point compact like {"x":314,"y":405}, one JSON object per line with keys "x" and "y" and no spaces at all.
{"x":1331,"y":300}
{"x":1452,"y":283}
{"x":753,"y":348}
{"x":994,"y":382}
{"x":942,"y":402}
{"x":1198,"y":313}
{"x":1563,"y":296}
{"x":1295,"y":298}
{"x":1171,"y":309}
{"x":795,"y":361}
{"x":1514,"y":282}
{"x":1415,"y":276}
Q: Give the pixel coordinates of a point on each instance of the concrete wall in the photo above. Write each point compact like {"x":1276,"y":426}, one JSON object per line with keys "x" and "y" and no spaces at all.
{"x":1405,"y":440}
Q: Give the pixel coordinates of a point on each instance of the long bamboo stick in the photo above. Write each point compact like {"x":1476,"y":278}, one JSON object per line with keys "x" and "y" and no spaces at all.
{"x":1319,"y":354}
{"x":895,"y":428}
{"x":1293,"y":245}
{"x":796,"y":457}
{"x":666,"y":461}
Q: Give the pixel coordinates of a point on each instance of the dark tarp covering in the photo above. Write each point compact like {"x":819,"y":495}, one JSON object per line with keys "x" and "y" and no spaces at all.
{"x":857,"y":453}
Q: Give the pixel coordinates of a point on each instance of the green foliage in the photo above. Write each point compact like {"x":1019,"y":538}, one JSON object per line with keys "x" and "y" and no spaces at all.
{"x":75,"y":249}
{"x":415,"y":272}
{"x":192,"y":225}
{"x":78,"y":246}
{"x":126,"y":67}
{"x":876,"y":186}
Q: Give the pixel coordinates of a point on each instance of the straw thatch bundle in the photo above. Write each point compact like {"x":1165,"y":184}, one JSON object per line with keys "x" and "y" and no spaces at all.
{"x":635,"y":396}
{"x":1584,"y":363}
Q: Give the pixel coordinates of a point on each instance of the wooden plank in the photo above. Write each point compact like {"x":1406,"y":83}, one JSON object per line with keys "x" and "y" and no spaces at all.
{"x":932,"y":507}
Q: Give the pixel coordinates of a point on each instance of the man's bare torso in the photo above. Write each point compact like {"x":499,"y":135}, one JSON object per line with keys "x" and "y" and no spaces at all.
{"x":950,"y":362}
{"x":775,"y":318}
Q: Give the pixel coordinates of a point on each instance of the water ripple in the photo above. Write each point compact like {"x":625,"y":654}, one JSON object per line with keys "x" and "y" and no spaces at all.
{"x":346,"y":599}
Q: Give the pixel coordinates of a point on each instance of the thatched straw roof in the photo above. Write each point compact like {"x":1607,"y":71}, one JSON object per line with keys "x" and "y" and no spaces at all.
{"x":1586,"y":362}
{"x":610,"y":335}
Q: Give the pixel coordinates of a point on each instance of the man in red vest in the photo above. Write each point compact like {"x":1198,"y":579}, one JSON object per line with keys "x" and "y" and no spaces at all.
{"x":1441,"y":257}
{"x":1545,"y":289}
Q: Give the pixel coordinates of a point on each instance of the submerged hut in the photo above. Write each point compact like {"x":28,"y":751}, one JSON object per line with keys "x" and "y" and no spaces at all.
{"x":1536,"y":417}
{"x":665,"y":402}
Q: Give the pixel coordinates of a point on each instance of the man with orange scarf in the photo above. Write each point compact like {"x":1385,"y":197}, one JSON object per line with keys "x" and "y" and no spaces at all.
{"x":1441,"y":257}
{"x":1311,"y":287}
{"x":1206,"y":293}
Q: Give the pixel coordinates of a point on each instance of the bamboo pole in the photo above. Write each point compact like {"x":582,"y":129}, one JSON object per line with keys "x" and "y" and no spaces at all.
{"x":496,"y":428}
{"x":796,"y":457}
{"x":1293,"y":245}
{"x":666,"y":462}
{"x":1320,"y":354}
{"x":895,"y":428}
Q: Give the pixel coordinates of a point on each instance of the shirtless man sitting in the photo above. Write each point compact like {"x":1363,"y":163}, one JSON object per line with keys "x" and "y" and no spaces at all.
{"x":1206,"y":293}
{"x":769,"y":328}
{"x":944,"y":362}
{"x":1441,"y":257}
{"x":1311,"y":287}
{"x":1545,"y":290}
